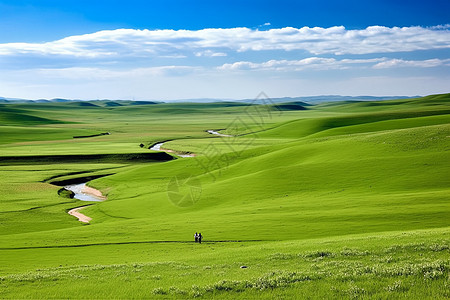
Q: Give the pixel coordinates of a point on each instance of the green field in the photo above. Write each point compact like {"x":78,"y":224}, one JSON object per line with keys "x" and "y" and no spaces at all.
{"x":337,"y":200}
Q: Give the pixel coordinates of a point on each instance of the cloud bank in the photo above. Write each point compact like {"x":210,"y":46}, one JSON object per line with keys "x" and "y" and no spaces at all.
{"x":318,"y":63}
{"x":230,"y":63}
{"x":334,"y":40}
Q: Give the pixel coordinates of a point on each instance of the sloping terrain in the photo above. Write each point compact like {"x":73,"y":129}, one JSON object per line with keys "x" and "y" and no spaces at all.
{"x":345,"y":199}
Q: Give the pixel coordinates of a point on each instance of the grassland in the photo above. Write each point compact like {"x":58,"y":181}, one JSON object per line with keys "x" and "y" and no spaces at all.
{"x":340,"y":200}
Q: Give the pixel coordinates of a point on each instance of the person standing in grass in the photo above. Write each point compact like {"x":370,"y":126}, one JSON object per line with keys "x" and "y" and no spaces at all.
{"x":196,"y":237}
{"x":200,"y":238}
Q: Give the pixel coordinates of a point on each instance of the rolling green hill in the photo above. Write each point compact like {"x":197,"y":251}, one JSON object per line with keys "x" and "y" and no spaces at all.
{"x":339,"y":200}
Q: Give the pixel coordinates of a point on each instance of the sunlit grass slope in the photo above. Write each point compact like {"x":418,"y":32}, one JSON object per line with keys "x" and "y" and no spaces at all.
{"x":412,"y":265}
{"x":340,"y":200}
{"x":388,"y":180}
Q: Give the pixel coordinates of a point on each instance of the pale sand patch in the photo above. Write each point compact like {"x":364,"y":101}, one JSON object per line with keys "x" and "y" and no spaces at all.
{"x":93,"y":192}
{"x":82,"y":218}
{"x":178,"y":153}
{"x":76,"y":211}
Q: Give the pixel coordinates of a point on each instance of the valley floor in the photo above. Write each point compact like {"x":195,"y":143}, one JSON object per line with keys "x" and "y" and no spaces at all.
{"x":342,"y":200}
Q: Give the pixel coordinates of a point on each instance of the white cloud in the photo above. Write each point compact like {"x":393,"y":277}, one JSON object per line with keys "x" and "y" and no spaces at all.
{"x":311,"y":63}
{"x":173,"y":56}
{"x":210,"y":53}
{"x":319,"y":63}
{"x":179,"y":63}
{"x":429,"y":63}
{"x":94,"y":73}
{"x":334,"y":40}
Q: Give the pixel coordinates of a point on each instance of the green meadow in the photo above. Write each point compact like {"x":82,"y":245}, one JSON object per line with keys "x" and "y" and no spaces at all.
{"x":342,"y":200}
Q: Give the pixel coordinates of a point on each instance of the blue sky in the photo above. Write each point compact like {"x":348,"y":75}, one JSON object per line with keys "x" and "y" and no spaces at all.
{"x":227,"y":49}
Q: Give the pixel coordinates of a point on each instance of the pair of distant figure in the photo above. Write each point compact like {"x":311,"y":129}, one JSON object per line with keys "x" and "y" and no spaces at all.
{"x":198,"y":237}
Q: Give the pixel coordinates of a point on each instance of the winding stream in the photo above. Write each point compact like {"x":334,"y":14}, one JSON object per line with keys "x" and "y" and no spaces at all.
{"x":157,"y":147}
{"x":218,"y":133}
{"x":83,"y":193}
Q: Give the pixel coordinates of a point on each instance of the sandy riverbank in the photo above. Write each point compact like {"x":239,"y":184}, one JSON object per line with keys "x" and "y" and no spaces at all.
{"x":76,"y":213}
{"x":93,"y":192}
{"x":84,"y":193}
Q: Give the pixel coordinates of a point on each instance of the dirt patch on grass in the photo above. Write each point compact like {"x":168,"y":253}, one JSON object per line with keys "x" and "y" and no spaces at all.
{"x":76,"y":213}
{"x":93,"y":192}
{"x":89,"y":191}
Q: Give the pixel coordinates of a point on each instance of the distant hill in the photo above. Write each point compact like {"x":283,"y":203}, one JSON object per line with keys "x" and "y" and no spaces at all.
{"x":142,"y":102}
{"x":302,"y":101}
{"x":85,"y":104}
{"x":298,"y":105}
{"x":324,"y":98}
{"x":59,"y":100}
{"x":112,"y":103}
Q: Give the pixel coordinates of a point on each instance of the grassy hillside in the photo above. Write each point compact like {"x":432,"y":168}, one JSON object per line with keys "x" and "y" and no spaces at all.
{"x":340,"y":200}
